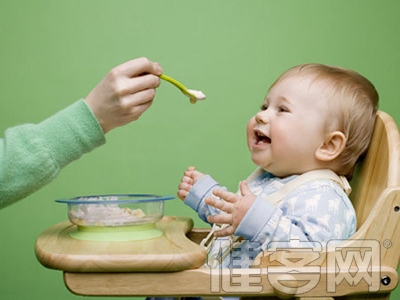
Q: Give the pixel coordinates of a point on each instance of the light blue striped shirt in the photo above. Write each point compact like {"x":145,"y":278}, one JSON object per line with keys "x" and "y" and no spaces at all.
{"x":315,"y":213}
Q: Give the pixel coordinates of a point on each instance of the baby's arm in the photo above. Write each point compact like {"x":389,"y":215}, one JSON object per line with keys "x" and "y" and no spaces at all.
{"x":317,"y":214}
{"x":235,"y":207}
{"x":313,"y":213}
{"x":194,"y":188}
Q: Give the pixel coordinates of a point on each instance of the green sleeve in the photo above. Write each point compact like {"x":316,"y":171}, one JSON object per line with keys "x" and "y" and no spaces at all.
{"x":33,"y":155}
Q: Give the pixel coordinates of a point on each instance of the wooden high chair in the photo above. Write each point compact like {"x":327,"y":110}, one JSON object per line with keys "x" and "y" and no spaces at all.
{"x":363,"y":267}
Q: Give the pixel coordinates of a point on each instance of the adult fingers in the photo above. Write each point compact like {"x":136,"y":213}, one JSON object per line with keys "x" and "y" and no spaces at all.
{"x":126,"y":86}
{"x":132,"y":113}
{"x":137,"y":67}
{"x":133,"y":103}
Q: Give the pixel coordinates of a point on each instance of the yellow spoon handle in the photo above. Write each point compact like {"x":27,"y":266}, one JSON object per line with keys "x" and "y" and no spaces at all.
{"x":177,"y":84}
{"x":192,"y":94}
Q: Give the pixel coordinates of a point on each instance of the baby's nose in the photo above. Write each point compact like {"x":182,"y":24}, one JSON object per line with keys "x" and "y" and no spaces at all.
{"x":262,"y":117}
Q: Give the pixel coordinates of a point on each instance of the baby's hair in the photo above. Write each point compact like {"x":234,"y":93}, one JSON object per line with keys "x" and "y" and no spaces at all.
{"x":353,"y":102}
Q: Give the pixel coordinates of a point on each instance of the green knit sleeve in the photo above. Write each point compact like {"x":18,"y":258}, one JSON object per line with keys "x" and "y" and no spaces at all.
{"x":32,"y":155}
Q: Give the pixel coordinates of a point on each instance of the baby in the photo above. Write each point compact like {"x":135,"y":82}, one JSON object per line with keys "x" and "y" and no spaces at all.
{"x":314,"y":124}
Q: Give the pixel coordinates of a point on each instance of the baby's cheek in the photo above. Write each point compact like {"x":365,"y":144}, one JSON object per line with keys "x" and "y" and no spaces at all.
{"x":249,"y":131}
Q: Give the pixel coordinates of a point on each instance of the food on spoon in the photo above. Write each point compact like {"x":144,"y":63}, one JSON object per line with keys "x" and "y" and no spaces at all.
{"x":199,"y":95}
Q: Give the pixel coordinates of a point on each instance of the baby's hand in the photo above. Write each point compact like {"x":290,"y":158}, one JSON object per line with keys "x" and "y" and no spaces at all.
{"x":190,"y":177}
{"x":235,"y":207}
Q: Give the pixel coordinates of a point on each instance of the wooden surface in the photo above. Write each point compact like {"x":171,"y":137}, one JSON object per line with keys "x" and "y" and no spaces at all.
{"x":207,"y":282}
{"x":172,"y":251}
{"x":379,"y":170}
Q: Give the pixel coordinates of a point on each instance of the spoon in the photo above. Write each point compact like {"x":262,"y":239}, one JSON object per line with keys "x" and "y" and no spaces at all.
{"x":192,"y":94}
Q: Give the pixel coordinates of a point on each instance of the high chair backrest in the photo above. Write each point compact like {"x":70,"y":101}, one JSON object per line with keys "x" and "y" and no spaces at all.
{"x":379,"y":169}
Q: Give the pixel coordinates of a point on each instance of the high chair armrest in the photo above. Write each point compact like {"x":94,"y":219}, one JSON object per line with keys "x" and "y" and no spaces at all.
{"x":196,"y":235}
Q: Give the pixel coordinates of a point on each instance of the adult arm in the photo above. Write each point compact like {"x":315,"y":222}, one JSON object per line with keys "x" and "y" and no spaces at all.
{"x":32,"y":155}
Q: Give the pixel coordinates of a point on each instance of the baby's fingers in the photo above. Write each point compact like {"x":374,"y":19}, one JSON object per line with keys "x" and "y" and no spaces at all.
{"x":219,"y":204}
{"x":227,"y":196}
{"x":185,"y":186}
{"x":224,"y":232}
{"x":220,"y":219}
{"x":182,"y":194}
{"x":188,"y":180}
{"x":244,"y":188}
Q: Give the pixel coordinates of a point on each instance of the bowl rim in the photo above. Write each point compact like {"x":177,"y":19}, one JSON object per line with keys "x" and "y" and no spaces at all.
{"x":145,"y":198}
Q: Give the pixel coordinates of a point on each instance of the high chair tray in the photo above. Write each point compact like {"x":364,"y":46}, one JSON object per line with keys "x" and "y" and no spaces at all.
{"x":173,"y":251}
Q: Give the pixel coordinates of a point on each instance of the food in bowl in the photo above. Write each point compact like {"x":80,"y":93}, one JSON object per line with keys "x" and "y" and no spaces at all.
{"x":115,"y":210}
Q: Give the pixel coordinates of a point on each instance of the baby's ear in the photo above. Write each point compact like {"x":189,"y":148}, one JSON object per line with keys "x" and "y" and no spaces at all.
{"x":332,"y":147}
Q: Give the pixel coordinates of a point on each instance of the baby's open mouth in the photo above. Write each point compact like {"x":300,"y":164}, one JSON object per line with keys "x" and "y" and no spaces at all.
{"x":262,"y":138}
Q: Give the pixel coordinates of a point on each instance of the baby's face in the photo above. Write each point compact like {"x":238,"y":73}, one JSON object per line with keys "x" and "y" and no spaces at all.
{"x":284,"y":135}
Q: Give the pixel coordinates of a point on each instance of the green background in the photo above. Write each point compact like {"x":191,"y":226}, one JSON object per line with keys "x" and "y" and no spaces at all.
{"x":54,"y":52}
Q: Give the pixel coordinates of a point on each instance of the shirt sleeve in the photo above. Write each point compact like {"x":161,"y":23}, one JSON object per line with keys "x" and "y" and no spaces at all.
{"x":32,"y":155}
{"x":315,"y":213}
{"x":197,"y":194}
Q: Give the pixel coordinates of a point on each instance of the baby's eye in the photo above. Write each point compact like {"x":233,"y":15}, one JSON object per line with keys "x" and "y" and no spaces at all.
{"x":282,"y":109}
{"x":264,"y":107}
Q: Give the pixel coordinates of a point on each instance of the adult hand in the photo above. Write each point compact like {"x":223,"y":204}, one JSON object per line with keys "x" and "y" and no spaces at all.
{"x":125,"y":93}
{"x":234,"y":206}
